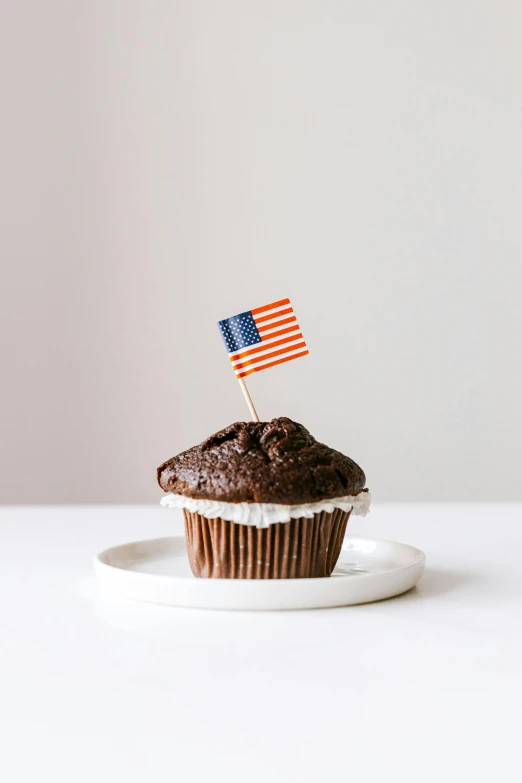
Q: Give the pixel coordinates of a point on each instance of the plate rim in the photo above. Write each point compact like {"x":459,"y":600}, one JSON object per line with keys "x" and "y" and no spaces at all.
{"x":100,"y":565}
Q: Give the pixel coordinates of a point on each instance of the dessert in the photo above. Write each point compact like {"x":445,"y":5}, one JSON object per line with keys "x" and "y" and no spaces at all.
{"x":264,"y":500}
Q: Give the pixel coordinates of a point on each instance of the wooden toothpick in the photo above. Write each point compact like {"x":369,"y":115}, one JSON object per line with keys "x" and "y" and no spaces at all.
{"x":248,"y":398}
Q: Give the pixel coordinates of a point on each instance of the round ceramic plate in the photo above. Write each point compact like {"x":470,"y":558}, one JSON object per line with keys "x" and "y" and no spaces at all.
{"x":158,"y":571}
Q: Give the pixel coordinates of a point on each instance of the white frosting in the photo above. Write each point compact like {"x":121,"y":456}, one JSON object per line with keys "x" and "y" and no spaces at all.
{"x":265,"y":514}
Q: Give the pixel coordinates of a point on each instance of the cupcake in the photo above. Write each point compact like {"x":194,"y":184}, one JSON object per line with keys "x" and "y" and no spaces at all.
{"x":264,"y":500}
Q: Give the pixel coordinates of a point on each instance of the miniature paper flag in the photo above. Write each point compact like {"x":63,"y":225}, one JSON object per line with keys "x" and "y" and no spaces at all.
{"x":262,"y":338}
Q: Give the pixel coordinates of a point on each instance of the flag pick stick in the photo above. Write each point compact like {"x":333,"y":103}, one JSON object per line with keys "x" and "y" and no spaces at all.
{"x":248,"y":399}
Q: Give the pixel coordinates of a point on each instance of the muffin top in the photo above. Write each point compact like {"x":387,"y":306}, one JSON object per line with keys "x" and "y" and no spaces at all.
{"x":274,"y":461}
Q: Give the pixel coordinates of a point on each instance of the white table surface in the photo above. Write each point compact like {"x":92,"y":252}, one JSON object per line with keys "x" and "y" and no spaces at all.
{"x":427,"y":686}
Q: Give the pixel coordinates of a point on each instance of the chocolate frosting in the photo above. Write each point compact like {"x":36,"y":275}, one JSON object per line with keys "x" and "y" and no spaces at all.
{"x":262,"y":462}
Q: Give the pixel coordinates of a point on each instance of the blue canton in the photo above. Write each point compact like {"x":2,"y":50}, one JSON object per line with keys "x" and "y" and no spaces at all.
{"x":238,"y":332}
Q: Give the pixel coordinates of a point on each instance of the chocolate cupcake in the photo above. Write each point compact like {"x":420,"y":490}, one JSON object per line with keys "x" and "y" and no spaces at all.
{"x":264,"y":500}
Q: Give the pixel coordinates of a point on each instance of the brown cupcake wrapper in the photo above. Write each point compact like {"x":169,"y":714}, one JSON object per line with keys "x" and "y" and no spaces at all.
{"x":298,"y":549}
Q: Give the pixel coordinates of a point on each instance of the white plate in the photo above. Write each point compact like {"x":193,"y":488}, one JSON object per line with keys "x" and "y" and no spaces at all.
{"x":158,"y":571}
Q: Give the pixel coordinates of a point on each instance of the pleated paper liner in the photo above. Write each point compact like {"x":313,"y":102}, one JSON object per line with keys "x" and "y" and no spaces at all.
{"x":300,"y":548}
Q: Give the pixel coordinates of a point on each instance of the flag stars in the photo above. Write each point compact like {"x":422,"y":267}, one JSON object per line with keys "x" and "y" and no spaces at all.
{"x":239,"y":332}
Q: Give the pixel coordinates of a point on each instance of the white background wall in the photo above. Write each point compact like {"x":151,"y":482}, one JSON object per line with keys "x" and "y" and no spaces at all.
{"x":169,"y":163}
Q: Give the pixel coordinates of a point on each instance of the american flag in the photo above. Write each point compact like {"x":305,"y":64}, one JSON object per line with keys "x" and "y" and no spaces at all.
{"x":262,"y":338}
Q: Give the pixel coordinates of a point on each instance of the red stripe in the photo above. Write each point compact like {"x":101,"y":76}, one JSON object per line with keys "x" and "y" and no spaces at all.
{"x":279,"y":323}
{"x":265,"y":347}
{"x":270,"y":306}
{"x":273,"y":315}
{"x":271,"y":355}
{"x":288,"y":329}
{"x":271,"y":364}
